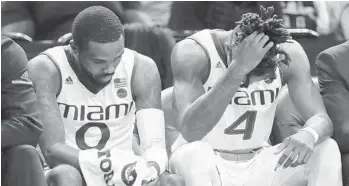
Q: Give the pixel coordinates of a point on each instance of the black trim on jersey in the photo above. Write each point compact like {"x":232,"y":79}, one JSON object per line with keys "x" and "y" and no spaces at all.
{"x":219,"y":47}
{"x":282,"y":79}
{"x":82,"y":76}
{"x":208,"y":56}
{"x":135,"y":61}
{"x":58,"y":69}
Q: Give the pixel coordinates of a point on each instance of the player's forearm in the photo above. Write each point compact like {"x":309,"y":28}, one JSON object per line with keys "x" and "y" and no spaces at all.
{"x":203,"y":114}
{"x":60,"y":153}
{"x":322,"y":124}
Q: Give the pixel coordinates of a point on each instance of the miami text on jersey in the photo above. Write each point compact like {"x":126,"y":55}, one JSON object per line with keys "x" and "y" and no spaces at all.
{"x":94,"y":112}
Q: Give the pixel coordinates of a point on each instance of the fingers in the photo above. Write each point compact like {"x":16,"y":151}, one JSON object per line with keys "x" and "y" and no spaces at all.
{"x":291,"y":158}
{"x":307,"y":157}
{"x":300,"y":159}
{"x":259,"y":38}
{"x":280,"y":148}
{"x":268,"y":47}
{"x":251,"y":37}
{"x":285,"y":155}
{"x":263,"y":41}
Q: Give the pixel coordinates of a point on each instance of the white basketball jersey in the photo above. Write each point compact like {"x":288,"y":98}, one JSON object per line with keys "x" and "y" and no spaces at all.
{"x":248,"y":119}
{"x":103,"y":120}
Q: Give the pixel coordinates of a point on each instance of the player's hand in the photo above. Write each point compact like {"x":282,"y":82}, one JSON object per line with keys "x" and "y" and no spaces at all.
{"x":146,"y":175}
{"x":249,"y":53}
{"x":297,"y":150}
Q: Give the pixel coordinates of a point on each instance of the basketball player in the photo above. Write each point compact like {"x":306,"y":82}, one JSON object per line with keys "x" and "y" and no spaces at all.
{"x":90,"y":93}
{"x":225,"y":101}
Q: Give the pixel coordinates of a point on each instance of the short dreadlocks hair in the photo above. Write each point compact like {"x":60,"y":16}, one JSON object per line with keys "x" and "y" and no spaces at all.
{"x":98,"y":24}
{"x":271,"y":26}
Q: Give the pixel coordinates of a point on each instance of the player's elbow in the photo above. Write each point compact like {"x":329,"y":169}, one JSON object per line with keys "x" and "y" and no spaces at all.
{"x":50,"y":155}
{"x":190,"y":131}
{"x":192,"y":127}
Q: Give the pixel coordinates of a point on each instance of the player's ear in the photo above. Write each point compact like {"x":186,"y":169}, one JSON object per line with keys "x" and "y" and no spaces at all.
{"x":73,"y":46}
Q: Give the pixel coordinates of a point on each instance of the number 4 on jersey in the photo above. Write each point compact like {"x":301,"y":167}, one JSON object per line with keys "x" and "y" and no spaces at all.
{"x":250,"y":117}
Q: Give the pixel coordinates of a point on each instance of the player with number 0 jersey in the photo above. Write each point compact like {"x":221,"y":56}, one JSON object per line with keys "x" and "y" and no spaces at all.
{"x":91,"y":93}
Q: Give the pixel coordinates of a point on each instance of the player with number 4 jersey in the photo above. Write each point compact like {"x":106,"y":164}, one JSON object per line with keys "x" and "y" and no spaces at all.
{"x":91,"y":93}
{"x":226,"y":85}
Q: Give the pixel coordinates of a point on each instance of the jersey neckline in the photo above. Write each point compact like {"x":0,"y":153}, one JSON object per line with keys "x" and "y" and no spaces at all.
{"x":85,"y":79}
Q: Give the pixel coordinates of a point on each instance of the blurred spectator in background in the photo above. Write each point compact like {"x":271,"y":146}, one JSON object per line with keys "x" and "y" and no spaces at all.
{"x":306,"y":15}
{"x":20,"y":126}
{"x":51,"y":19}
{"x":197,"y":15}
{"x":155,"y":42}
{"x":158,"y":11}
{"x":339,"y":14}
{"x":333,"y":73}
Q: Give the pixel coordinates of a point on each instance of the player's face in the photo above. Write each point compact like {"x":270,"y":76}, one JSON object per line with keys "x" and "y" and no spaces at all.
{"x":100,"y":60}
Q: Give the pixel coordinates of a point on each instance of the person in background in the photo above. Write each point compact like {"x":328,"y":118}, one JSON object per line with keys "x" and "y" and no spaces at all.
{"x":306,"y":15}
{"x":45,"y":20}
{"x":197,"y":15}
{"x":158,"y":11}
{"x":333,"y":73}
{"x":339,"y":13}
{"x":20,"y":124}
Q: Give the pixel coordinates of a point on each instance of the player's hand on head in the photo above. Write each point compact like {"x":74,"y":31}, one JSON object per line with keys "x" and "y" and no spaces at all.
{"x":249,"y":53}
{"x":296,"y":150}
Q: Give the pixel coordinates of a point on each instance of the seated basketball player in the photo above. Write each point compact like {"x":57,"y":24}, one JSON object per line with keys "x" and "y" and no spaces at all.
{"x":226,"y":84}
{"x":90,"y":93}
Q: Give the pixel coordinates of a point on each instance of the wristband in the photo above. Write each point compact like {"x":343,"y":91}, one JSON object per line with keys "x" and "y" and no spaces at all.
{"x":312,"y":132}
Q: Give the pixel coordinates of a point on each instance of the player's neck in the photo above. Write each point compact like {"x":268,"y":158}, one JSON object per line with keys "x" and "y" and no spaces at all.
{"x":84,"y":77}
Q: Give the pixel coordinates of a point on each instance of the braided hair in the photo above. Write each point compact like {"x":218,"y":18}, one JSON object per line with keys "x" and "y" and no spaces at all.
{"x":271,"y":26}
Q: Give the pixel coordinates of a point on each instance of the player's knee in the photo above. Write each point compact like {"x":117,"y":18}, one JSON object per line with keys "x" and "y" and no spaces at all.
{"x":328,"y":146}
{"x":328,"y":154}
{"x":64,"y":175}
{"x":191,"y":156}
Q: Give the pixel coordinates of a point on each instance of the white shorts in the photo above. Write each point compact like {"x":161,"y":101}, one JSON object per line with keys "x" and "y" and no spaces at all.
{"x":257,"y":171}
{"x":260,"y":171}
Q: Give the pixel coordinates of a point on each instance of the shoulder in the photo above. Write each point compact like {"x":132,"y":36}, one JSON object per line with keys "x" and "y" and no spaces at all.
{"x":189,"y":58}
{"x":299,"y":62}
{"x":45,"y":74}
{"x":143,"y":65}
{"x":294,"y":49}
{"x":144,"y":72}
{"x":42,"y":64}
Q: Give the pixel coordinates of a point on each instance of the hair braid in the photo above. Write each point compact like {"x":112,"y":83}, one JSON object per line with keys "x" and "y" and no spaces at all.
{"x":271,"y":26}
